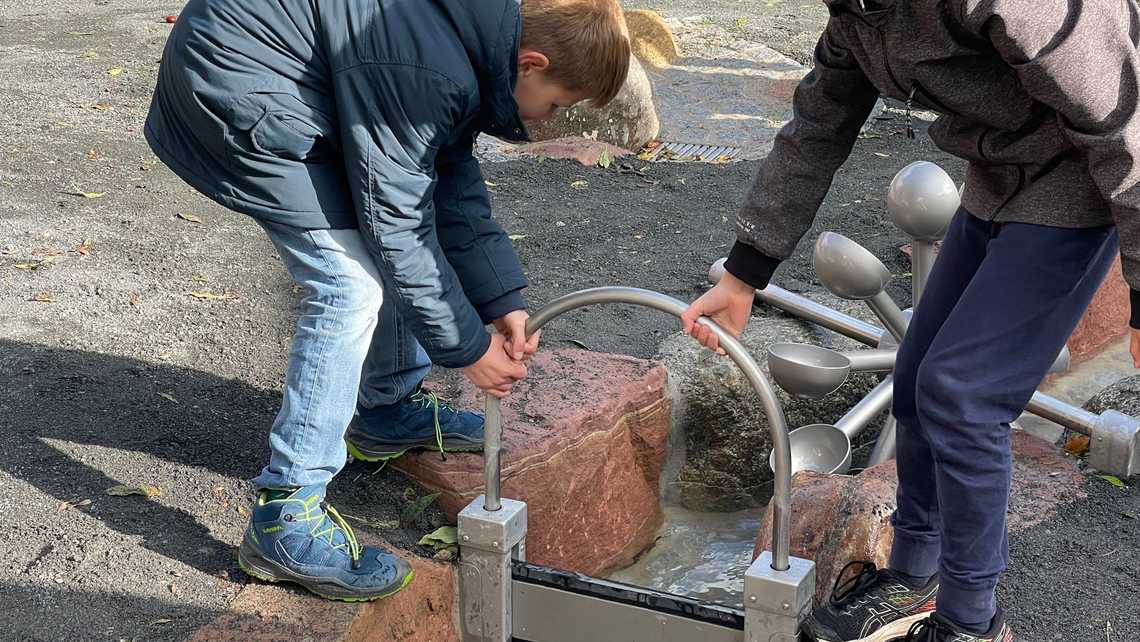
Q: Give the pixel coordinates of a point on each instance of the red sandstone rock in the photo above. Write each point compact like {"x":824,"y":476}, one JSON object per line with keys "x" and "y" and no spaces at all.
{"x":837,"y":519}
{"x":1106,"y":319}
{"x":425,"y":611}
{"x":585,"y":437}
{"x":586,"y":151}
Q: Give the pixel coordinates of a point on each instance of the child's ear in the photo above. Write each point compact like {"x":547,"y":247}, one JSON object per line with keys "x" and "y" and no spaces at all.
{"x":532,"y":61}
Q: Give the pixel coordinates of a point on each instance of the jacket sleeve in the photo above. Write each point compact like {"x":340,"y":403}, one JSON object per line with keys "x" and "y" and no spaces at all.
{"x":1081,"y":60}
{"x":393,"y":120}
{"x":830,"y":106}
{"x":473,"y":242}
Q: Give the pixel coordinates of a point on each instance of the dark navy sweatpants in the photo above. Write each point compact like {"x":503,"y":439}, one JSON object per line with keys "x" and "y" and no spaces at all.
{"x":1000,"y":304}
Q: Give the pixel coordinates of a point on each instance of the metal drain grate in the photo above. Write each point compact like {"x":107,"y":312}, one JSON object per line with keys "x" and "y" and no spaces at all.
{"x":666,"y":151}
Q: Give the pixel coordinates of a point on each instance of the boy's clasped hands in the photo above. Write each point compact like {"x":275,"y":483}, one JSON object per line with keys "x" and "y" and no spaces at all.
{"x":504,"y":363}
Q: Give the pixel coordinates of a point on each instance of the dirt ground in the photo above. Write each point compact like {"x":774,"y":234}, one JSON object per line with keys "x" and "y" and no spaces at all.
{"x":112,"y":372}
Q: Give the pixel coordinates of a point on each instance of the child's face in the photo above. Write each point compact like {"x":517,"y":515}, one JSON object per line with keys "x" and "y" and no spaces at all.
{"x":536,"y":94}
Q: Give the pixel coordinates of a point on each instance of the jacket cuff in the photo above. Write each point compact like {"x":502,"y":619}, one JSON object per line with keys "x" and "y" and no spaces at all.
{"x":751,"y":265}
{"x":505,"y":304}
{"x":1134,"y":299}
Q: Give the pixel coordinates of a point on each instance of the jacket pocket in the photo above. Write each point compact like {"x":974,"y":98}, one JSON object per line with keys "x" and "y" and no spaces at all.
{"x":279,"y":124}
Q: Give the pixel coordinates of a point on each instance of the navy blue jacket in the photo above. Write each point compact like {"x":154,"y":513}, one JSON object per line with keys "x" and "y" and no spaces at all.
{"x":357,"y":113}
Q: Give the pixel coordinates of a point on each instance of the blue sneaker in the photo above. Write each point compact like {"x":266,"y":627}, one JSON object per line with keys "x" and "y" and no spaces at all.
{"x":300,"y":539}
{"x":420,"y":421}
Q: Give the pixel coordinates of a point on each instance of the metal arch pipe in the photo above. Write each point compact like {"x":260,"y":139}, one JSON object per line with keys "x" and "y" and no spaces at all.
{"x":777,"y":426}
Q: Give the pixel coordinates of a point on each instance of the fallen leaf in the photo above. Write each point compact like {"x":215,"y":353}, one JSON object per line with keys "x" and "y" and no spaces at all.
{"x":81,"y":33}
{"x":211,"y":296}
{"x":559,"y":224}
{"x":882,"y":155}
{"x":167,"y":396}
{"x":1128,"y":516}
{"x":114,"y":71}
{"x":243,"y":511}
{"x":86,"y":194}
{"x":92,"y":155}
{"x":579,"y":344}
{"x":1077,"y":445}
{"x":653,"y":144}
{"x":413,"y":510}
{"x":517,"y":237}
{"x":102,"y":106}
{"x":44,"y":297}
{"x":200,"y":278}
{"x":1115,"y":481}
{"x":441,"y":538}
{"x":90,"y":53}
{"x":448,"y":554}
{"x":135,"y":300}
{"x":84,"y":248}
{"x":740,"y":22}
{"x":490,"y":184}
{"x":604,"y":160}
{"x":28,"y":266}
{"x":163,"y":620}
{"x":189,"y":217}
{"x":579,"y":184}
{"x":123,"y":490}
{"x":69,"y":505}
{"x":173,"y":588}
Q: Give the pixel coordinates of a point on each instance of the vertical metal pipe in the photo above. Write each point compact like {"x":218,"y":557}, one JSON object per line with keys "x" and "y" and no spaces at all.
{"x":921,"y":263}
{"x":885,"y":445}
{"x":492,"y":446}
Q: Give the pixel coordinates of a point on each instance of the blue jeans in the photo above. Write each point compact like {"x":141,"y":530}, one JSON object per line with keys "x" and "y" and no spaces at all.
{"x":1001,"y":303}
{"x":350,"y":347}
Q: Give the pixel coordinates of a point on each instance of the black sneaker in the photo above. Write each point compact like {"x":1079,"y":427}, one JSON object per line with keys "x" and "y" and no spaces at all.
{"x":938,"y":629}
{"x":870,"y":605}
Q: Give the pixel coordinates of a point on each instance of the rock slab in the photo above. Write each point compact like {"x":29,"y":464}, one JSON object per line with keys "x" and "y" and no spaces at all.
{"x":584,"y":439}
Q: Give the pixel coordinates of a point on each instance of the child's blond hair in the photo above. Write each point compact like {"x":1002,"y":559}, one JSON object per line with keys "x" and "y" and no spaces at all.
{"x":586,"y":41}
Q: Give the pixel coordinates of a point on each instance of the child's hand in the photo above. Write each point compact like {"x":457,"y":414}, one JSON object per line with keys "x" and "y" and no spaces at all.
{"x":495,"y":372}
{"x":729,"y":303}
{"x":513,"y":328}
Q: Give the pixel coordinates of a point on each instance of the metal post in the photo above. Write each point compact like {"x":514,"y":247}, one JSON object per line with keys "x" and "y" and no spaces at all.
{"x":776,"y":603}
{"x":922,"y":258}
{"x":488,"y":541}
{"x":885,"y":444}
{"x":492,"y":447}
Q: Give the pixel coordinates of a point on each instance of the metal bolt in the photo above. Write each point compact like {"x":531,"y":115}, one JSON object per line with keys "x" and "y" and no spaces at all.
{"x":786,"y":606}
{"x":752,"y":598}
{"x":495,"y":544}
{"x":467,"y":538}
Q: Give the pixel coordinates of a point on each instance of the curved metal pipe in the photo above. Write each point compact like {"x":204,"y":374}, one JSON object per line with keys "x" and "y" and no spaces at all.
{"x":777,"y":426}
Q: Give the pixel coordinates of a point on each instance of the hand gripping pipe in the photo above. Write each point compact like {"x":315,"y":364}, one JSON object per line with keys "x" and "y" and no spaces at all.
{"x":777,"y":426}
